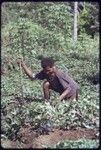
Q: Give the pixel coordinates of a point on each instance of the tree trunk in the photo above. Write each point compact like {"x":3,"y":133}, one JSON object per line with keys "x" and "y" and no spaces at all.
{"x":75,"y":21}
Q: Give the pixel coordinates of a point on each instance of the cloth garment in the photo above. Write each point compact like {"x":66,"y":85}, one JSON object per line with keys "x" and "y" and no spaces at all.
{"x":60,"y":82}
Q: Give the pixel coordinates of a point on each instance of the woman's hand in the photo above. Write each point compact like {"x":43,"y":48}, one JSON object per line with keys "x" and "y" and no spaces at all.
{"x":20,"y":62}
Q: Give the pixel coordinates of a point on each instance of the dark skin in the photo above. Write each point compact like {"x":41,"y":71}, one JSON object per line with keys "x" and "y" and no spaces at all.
{"x":50,"y":71}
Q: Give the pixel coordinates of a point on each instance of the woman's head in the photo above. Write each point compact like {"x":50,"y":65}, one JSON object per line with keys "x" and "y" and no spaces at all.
{"x":47,"y":62}
{"x":48,"y":65}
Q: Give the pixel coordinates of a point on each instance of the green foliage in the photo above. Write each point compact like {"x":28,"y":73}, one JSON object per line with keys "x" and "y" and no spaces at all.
{"x":82,"y":61}
{"x":82,"y":143}
{"x":64,"y":115}
{"x":88,"y":18}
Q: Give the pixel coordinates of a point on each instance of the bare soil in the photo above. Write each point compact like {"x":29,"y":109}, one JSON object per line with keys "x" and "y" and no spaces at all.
{"x":29,"y":138}
{"x":59,"y":135}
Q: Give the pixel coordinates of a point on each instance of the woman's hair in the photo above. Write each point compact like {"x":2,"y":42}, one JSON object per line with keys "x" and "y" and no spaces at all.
{"x":47,"y":62}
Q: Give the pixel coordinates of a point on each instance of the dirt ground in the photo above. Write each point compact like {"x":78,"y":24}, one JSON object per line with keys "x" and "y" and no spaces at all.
{"x":29,"y":139}
{"x":58,"y":135}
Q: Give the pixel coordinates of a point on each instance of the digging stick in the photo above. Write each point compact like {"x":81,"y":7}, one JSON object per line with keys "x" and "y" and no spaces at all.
{"x":21,"y":81}
{"x":21,"y":73}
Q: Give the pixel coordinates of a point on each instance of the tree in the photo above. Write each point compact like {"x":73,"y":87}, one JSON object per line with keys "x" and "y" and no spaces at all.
{"x":88,"y":19}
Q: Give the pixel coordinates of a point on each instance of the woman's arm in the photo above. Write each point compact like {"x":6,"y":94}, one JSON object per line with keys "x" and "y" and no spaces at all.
{"x":27,"y":70}
{"x":62,"y":96}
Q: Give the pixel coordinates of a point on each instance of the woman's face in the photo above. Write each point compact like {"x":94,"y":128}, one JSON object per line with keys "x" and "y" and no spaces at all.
{"x":49,"y":70}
